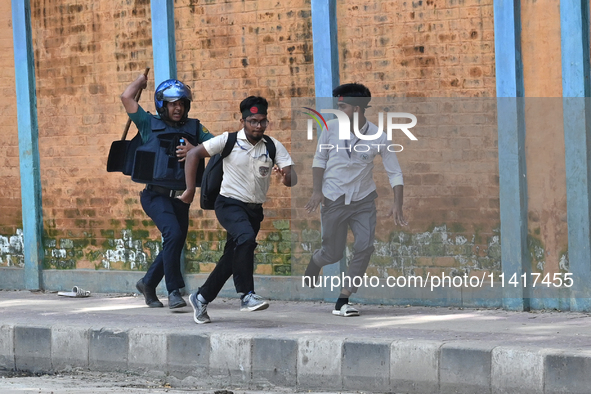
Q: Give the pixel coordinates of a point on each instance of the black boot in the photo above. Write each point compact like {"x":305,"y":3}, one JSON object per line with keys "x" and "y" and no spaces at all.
{"x":149,"y":294}
{"x":175,"y":300}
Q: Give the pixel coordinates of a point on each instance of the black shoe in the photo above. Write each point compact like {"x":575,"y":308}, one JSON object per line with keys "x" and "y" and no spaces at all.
{"x":312,"y":272}
{"x":149,"y":294}
{"x":175,"y":300}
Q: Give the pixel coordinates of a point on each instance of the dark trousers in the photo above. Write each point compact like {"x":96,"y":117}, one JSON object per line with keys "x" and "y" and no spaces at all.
{"x":171,"y":216}
{"x":242,"y":222}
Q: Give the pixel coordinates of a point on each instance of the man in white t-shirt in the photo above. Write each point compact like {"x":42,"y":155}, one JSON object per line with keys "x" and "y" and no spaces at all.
{"x":239,"y":207}
{"x":343,"y":183}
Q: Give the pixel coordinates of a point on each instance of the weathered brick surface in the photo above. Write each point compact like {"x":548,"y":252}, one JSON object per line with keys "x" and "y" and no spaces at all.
{"x":85,"y":55}
{"x":545,"y":155}
{"x":434,"y":48}
{"x":547,"y":205}
{"x":10,"y":199}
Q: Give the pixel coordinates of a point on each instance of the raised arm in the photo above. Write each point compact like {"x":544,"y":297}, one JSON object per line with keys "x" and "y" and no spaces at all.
{"x":128,"y":95}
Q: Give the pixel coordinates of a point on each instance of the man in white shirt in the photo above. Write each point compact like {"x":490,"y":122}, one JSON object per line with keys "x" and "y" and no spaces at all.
{"x":343,"y":183}
{"x":239,"y":207}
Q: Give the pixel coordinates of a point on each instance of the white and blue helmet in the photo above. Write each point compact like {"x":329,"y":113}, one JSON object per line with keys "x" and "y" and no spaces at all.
{"x":172,"y":90}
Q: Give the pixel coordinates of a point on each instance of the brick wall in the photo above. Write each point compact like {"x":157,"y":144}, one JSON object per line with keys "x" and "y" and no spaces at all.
{"x":10,"y":198}
{"x":545,"y":156}
{"x":85,"y":55}
{"x":423,"y":48}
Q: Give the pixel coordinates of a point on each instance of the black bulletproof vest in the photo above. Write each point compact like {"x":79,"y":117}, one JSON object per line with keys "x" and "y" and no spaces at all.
{"x":156,"y":163}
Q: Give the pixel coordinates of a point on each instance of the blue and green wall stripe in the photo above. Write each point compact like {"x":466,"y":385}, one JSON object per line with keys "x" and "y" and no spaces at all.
{"x":511,"y":140}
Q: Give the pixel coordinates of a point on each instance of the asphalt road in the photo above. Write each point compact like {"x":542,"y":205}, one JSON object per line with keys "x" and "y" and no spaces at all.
{"x":86,"y":382}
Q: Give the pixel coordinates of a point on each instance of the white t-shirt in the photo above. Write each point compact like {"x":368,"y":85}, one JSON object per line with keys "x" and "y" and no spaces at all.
{"x":248,"y":168}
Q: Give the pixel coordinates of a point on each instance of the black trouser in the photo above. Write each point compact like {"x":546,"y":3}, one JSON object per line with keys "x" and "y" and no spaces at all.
{"x":242,"y":222}
{"x":171,"y":216}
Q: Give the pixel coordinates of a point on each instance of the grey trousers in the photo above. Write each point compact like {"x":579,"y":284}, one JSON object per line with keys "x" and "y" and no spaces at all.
{"x":337,"y":218}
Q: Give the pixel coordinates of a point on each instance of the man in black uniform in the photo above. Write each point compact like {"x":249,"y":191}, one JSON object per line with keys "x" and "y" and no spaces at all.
{"x":159,"y":162}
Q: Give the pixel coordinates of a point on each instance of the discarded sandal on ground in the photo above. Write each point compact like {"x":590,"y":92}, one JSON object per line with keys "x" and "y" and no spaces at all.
{"x":76,"y":292}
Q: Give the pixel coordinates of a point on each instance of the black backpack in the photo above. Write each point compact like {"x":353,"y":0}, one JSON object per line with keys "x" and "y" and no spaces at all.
{"x":214,"y":171}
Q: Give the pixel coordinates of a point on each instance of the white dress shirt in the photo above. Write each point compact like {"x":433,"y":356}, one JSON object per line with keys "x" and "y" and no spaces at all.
{"x":248,"y":168}
{"x":348,"y":166}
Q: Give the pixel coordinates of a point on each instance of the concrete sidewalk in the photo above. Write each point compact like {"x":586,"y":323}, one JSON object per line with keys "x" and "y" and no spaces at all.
{"x":301,"y":344}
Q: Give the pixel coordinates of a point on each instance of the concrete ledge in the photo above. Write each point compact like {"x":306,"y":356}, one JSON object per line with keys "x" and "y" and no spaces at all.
{"x":517,"y":370}
{"x":311,"y":362}
{"x":12,"y":278}
{"x":32,"y":348}
{"x":7,"y":347}
{"x":366,"y":364}
{"x":465,"y":367}
{"x":108,"y":350}
{"x":319,"y":363}
{"x":69,"y":347}
{"x":230,"y":358}
{"x":274,"y":361}
{"x":188,"y":355}
{"x":567,"y":372}
{"x":408,"y":357}
{"x":147,"y":351}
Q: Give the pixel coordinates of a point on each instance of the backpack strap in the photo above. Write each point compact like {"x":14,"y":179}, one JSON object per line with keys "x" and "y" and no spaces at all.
{"x":270,"y":147}
{"x":232,"y":137}
{"x":197,"y":129}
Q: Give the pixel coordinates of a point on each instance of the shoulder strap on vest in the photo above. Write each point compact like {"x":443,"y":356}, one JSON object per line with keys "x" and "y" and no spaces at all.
{"x":157,"y":124}
{"x":232,"y":137}
{"x":193,"y":125}
{"x":270,"y":147}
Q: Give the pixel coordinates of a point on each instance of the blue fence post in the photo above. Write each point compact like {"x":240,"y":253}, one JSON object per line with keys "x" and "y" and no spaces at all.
{"x":574,"y":32}
{"x":512,"y":170}
{"x":164,"y":54}
{"x":163,"y":40}
{"x":28,"y":135}
{"x":326,"y":51}
{"x":326,"y":78}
